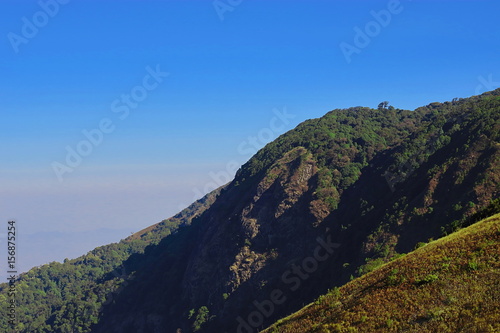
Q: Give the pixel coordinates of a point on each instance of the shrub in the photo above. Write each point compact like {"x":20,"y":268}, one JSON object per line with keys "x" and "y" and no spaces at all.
{"x":427,"y":279}
{"x":472,"y":266}
{"x":201,"y":318}
{"x":394,"y":279}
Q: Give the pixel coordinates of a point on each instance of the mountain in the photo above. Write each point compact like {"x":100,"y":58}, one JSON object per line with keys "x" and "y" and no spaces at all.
{"x":328,"y":201}
{"x":447,"y":285}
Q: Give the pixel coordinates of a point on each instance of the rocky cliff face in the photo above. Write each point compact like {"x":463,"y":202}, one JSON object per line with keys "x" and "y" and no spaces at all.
{"x":317,"y":206}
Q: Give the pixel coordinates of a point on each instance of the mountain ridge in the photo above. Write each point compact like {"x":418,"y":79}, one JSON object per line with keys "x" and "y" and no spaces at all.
{"x":373,"y":182}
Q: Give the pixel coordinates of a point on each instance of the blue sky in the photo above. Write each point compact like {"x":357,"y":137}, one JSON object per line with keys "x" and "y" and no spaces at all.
{"x":231,"y":70}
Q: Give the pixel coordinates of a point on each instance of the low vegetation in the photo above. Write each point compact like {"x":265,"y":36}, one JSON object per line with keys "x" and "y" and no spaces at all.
{"x":449,"y":285}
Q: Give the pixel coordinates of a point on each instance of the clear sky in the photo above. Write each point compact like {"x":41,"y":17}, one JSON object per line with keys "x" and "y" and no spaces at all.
{"x":174,"y":95}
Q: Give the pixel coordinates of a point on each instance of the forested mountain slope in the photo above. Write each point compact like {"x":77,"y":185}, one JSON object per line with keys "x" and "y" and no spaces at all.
{"x":325,"y":202}
{"x":69,"y":296}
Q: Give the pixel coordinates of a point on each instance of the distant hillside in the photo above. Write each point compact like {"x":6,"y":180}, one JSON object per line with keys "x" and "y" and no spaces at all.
{"x":326,"y":202}
{"x":448,"y":285}
{"x":63,"y":297}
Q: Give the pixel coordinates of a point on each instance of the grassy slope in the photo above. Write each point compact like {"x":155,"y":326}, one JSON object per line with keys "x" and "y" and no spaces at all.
{"x":448,"y":285}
